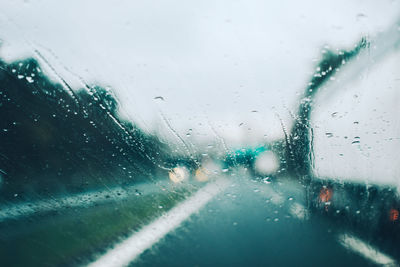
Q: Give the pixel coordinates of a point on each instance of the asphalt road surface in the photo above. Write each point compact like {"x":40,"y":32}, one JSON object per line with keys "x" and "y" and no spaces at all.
{"x":256,"y":224}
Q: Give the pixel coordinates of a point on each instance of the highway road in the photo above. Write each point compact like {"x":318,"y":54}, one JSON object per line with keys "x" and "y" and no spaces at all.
{"x":256,"y":224}
{"x":230,"y":221}
{"x":247,"y":222}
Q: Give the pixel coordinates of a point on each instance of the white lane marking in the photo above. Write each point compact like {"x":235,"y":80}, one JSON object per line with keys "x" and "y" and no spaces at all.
{"x":87,"y":199}
{"x":273,"y":195}
{"x":128,"y":250}
{"x":360,"y":247}
{"x":298,"y":211}
{"x":276,"y":198}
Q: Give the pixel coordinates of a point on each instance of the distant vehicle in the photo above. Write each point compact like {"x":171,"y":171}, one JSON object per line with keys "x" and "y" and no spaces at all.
{"x":369,"y":211}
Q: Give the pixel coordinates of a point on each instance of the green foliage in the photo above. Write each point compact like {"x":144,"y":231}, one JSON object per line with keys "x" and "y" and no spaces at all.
{"x":54,"y":138}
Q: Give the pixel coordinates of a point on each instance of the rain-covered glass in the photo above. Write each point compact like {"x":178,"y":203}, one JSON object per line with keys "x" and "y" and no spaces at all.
{"x":199,"y":133}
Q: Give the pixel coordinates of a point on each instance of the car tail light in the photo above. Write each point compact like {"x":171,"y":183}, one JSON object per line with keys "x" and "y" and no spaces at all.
{"x":394,"y":215}
{"x":325,"y":195}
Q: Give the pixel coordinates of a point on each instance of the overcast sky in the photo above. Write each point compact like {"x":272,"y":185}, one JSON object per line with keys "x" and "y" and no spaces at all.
{"x":213,"y":62}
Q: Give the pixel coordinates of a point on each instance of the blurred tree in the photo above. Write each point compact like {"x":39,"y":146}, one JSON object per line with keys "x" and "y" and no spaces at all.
{"x":54,"y":138}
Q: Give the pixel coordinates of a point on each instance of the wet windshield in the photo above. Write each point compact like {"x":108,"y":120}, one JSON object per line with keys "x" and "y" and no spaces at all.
{"x":199,"y":134}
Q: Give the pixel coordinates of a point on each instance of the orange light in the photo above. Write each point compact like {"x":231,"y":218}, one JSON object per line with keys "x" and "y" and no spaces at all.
{"x":201,"y":175}
{"x":393,"y":215}
{"x":178,"y":174}
{"x":325,"y":194}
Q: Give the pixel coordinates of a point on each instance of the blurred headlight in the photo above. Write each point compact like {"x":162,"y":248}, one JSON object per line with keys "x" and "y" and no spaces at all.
{"x":267,"y":163}
{"x":178,"y":174}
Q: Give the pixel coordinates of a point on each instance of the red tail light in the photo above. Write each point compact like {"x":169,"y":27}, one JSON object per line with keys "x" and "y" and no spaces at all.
{"x":394,"y":215}
{"x":325,"y":194}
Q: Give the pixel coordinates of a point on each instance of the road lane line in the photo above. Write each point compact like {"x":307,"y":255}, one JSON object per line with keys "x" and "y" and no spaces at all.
{"x":129,"y":249}
{"x":360,"y":247}
{"x":298,"y":211}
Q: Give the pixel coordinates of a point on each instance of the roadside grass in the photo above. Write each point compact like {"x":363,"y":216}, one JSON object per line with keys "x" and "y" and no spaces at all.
{"x":74,"y":236}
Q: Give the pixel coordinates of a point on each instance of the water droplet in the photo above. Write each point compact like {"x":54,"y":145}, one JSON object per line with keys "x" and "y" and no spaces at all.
{"x":19,"y":76}
{"x":267,"y":180}
{"x":329,"y":135}
{"x":29,"y":79}
{"x":361,"y":15}
{"x":159,"y":98}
